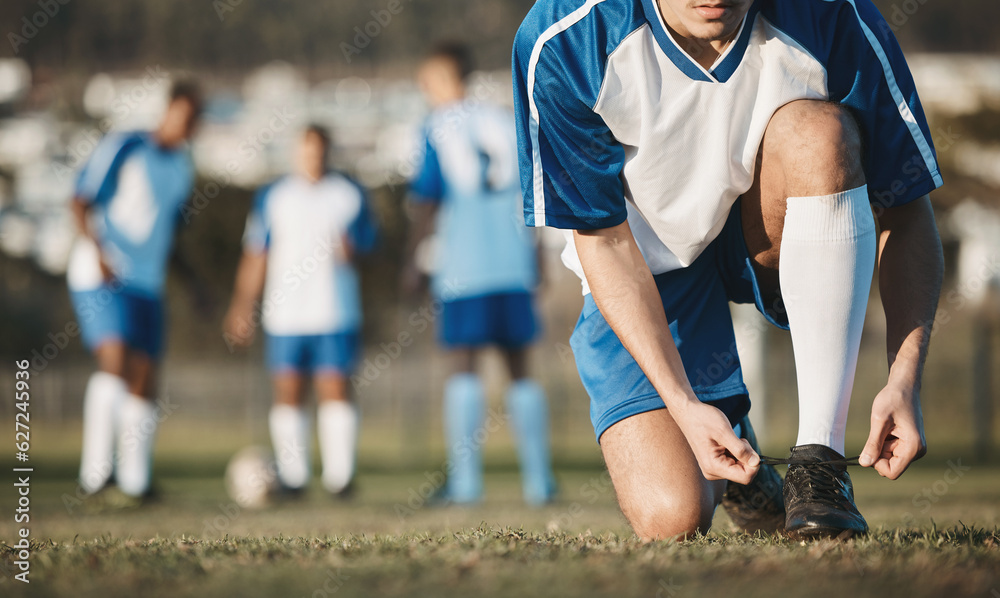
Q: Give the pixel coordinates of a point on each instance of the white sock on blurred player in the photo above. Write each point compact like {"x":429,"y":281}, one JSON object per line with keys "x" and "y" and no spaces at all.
{"x":138,"y":423}
{"x":825,"y":271}
{"x":100,"y":413}
{"x":338,"y":437}
{"x":290,"y":438}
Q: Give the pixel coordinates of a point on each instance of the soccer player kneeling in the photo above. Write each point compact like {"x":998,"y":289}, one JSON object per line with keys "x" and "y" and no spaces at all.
{"x":704,"y":151}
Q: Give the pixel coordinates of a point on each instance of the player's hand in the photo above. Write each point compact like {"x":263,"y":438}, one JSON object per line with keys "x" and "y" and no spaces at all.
{"x":238,"y":326}
{"x":897,"y":435}
{"x":720,"y":453}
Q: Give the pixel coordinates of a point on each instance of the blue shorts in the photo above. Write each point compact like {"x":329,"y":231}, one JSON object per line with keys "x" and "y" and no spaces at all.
{"x":336,"y":352}
{"x":503,"y":319}
{"x":696,"y":301}
{"x":120,"y":314}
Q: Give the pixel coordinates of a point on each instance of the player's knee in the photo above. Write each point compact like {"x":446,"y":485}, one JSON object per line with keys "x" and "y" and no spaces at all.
{"x":818,"y":144}
{"x":668,"y":518}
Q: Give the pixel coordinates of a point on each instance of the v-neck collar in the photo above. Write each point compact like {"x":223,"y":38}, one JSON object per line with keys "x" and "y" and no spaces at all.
{"x":726,"y":64}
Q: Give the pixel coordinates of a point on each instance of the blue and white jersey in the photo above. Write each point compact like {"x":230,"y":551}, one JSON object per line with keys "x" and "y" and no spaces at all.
{"x":136,"y":189}
{"x":616,"y":122}
{"x":309,"y":231}
{"x":469,"y":167}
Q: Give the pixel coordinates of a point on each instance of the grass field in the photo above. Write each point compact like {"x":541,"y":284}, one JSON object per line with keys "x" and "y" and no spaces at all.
{"x":935,"y":532}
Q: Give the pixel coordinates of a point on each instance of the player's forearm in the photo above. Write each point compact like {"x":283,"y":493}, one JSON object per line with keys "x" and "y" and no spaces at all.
{"x":250,"y":276}
{"x":626,"y":294}
{"x":81,"y":211}
{"x":911,"y":268}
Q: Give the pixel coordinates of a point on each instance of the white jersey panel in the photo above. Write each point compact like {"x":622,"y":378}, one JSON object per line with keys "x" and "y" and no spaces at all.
{"x":689,"y":156}
{"x":311,"y":287}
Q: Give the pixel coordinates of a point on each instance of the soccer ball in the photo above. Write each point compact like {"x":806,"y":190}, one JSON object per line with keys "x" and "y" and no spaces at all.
{"x":252,"y":478}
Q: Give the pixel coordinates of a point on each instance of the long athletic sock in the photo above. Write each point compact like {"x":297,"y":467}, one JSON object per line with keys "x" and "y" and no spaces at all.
{"x":825,"y":272}
{"x":530,"y":414}
{"x":100,"y":414}
{"x":290,"y":438}
{"x":139,"y":421}
{"x":338,"y":437}
{"x":464,"y":414}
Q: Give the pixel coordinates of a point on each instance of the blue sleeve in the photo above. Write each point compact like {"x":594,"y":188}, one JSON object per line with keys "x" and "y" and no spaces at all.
{"x":97,"y":179}
{"x":867,"y":73}
{"x":428,"y":183}
{"x":569,"y":160}
{"x":363,"y":231}
{"x":257,"y":235}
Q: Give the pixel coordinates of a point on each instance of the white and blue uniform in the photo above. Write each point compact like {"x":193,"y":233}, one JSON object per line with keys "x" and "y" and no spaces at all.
{"x":485,"y":264}
{"x":136,"y":189}
{"x":616,"y":122}
{"x":311,"y":310}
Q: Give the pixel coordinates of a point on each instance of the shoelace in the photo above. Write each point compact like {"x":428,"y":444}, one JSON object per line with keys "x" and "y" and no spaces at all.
{"x":774,"y":461}
{"x":823,"y":485}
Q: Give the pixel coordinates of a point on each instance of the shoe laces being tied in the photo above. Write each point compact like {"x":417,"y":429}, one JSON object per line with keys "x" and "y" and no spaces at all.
{"x":824,"y":484}
{"x":823,"y":481}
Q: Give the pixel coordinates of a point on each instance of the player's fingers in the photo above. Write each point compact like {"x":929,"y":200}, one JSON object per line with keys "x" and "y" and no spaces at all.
{"x":905,"y":454}
{"x":872,"y":452}
{"x":883,"y":467}
{"x":746,"y":463}
{"x":746,"y":455}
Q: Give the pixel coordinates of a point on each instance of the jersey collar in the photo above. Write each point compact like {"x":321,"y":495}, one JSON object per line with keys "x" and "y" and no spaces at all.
{"x":722,"y":69}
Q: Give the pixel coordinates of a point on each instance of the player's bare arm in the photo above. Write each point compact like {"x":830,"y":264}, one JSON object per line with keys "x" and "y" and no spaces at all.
{"x":624,"y":290}
{"x":423,"y":215}
{"x":250,"y":276}
{"x":911,"y":268}
{"x":81,"y":217}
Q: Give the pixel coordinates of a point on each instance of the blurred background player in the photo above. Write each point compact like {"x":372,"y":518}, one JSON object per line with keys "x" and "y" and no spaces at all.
{"x":126,"y":204}
{"x":485,"y":271}
{"x":302,"y":236}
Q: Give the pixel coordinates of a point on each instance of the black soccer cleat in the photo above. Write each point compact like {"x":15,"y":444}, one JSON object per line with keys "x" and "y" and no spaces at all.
{"x":757,"y":506}
{"x":819,"y":499}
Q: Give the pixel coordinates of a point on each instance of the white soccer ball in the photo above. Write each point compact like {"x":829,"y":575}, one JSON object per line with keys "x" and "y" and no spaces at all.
{"x":252,"y":478}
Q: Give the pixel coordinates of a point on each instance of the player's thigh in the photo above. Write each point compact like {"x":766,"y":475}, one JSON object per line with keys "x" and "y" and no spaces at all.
{"x":288,"y":360}
{"x":140,"y":373}
{"x":288,"y":386}
{"x":516,"y":359}
{"x":100,"y":315}
{"x":110,"y":355}
{"x":143,"y":325}
{"x":660,"y":487}
{"x":331,"y":385}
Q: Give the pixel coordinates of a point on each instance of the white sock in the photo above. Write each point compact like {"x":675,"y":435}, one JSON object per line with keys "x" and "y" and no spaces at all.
{"x":138,"y":423}
{"x":825,"y":271}
{"x":100,"y":412}
{"x":338,"y":436}
{"x":290,"y":438}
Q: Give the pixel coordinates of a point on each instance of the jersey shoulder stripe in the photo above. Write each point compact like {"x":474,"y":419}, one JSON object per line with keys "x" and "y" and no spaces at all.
{"x":96,"y":180}
{"x":567,"y":43}
{"x":902,"y":103}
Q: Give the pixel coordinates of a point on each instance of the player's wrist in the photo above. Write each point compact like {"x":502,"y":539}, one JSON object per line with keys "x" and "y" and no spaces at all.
{"x":679,"y":402}
{"x":904,"y":376}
